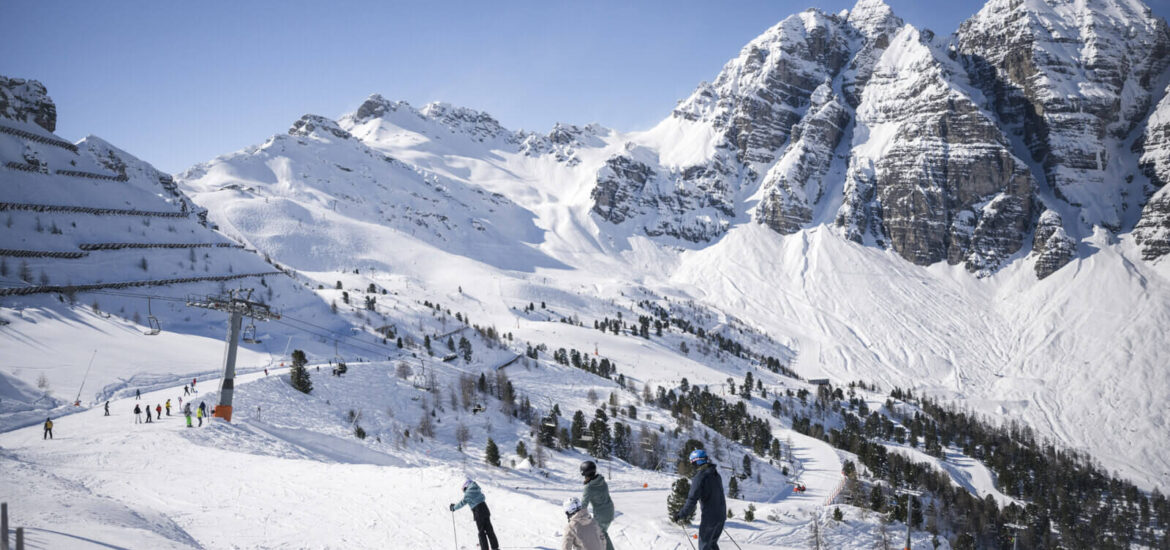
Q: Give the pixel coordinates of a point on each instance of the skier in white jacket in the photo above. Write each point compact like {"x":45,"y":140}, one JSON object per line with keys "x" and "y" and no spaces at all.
{"x":582,"y":533}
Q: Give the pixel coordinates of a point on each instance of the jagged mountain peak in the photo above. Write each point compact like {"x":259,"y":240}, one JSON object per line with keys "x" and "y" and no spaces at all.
{"x":873,"y":18}
{"x":317,"y":125}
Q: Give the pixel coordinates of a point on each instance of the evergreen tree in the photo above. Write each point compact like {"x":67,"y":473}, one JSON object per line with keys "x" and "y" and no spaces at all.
{"x":521,"y":450}
{"x":678,"y":498}
{"x":747,"y":466}
{"x":298,"y":374}
{"x":733,"y":488}
{"x":491,"y":454}
{"x":602,"y":444}
{"x":427,"y":344}
{"x":450,"y":343}
{"x":465,"y":348}
{"x":750,"y":513}
{"x":837,"y":515}
{"x":577,"y":429}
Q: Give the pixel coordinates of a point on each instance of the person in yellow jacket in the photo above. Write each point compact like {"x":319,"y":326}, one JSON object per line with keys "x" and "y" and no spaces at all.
{"x":48,"y":428}
{"x":582,"y":533}
{"x":199,"y":415}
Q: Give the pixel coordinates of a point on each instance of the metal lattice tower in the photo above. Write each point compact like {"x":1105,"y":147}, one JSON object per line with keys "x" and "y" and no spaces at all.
{"x":237,"y":304}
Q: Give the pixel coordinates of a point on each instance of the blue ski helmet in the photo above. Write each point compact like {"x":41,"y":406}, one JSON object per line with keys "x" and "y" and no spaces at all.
{"x":698,"y":457}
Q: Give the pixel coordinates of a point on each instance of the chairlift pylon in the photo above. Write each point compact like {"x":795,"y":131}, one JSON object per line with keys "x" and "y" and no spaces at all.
{"x":151,"y":320}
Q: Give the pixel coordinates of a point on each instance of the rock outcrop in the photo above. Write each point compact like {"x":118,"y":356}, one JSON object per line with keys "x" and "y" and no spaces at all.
{"x":309,"y":124}
{"x":27,"y":101}
{"x":1051,"y":244}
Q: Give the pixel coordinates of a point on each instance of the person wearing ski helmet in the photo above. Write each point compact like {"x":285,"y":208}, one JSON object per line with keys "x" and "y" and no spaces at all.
{"x":706,"y":487}
{"x":597,"y":494}
{"x":582,"y":533}
{"x":473,"y":498}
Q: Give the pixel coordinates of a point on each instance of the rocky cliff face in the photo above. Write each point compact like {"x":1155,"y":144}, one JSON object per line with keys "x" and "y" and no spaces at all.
{"x":941,"y":149}
{"x":1072,"y":80}
{"x":797,"y":181}
{"x":28,"y":101}
{"x":749,"y":112}
{"x":931,"y":175}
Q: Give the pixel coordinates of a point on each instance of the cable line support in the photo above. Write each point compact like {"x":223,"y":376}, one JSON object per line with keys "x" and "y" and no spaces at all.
{"x":237,"y":304}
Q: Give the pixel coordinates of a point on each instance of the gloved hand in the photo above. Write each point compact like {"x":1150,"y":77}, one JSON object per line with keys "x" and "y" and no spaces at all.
{"x":675,"y":518}
{"x":451,"y":507}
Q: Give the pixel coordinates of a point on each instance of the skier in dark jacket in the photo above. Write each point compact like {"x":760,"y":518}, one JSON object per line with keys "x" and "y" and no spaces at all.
{"x":706,"y":487}
{"x":137,"y":414}
{"x":48,"y":429}
{"x":597,"y":494}
{"x":137,"y":394}
{"x":473,"y":497}
{"x":107,"y":408}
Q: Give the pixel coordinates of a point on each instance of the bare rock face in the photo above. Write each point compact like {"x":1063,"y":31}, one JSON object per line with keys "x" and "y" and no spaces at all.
{"x":751,"y":110}
{"x":797,"y":181}
{"x":621,"y":186}
{"x":27,"y":101}
{"x":1051,"y":244}
{"x":1152,"y":233}
{"x":930,"y":174}
{"x":309,"y":124}
{"x":1072,"y":79}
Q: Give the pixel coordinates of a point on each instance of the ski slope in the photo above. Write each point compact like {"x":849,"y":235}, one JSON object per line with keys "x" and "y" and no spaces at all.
{"x":260,"y":481}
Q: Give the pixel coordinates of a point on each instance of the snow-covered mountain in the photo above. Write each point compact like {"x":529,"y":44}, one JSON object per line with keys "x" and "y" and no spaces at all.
{"x":88,"y":232}
{"x":980,"y":217}
{"x":828,"y":129}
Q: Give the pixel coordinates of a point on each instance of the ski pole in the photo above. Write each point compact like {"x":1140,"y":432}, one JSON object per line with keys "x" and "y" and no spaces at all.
{"x":732,"y":540}
{"x":454,"y":532}
{"x":687,"y":535}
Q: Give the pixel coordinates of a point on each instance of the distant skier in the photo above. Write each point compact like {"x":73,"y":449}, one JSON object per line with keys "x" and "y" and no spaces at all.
{"x":199,"y":415}
{"x":706,"y":487}
{"x":168,"y":407}
{"x":186,"y":390}
{"x":265,"y":371}
{"x":158,"y":410}
{"x":473,"y":498}
{"x":137,"y":414}
{"x":203,"y":407}
{"x":148,"y":421}
{"x":597,"y":494}
{"x":137,"y":394}
{"x":48,"y":428}
{"x":188,"y":417}
{"x":193,"y":385}
{"x":582,"y":532}
{"x":107,"y":408}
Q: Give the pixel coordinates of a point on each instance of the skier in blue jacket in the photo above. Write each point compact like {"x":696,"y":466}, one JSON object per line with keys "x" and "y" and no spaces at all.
{"x":473,"y":498}
{"x":706,"y":487}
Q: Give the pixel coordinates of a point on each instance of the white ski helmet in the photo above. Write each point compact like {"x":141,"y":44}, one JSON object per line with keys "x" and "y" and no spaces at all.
{"x":571,"y":506}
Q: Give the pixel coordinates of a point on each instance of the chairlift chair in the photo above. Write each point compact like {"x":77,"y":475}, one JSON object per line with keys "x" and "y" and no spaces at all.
{"x":586,"y":437}
{"x":151,"y":320}
{"x":250,"y":333}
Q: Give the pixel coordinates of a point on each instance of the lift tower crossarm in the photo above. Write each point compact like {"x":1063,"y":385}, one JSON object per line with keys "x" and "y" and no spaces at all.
{"x":237,"y":304}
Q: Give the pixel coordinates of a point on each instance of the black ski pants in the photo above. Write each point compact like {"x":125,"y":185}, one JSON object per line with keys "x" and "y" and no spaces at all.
{"x":483,"y":522}
{"x":709,"y":535}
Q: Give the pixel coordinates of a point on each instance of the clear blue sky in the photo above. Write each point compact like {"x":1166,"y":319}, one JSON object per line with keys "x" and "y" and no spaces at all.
{"x":178,"y":82}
